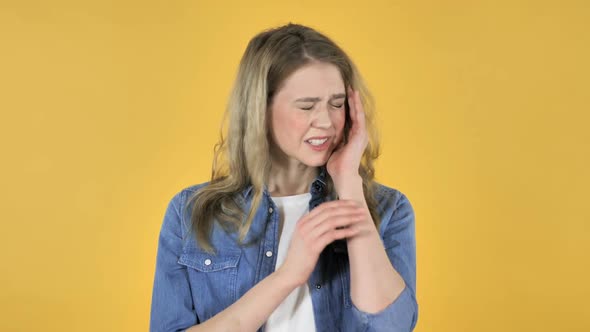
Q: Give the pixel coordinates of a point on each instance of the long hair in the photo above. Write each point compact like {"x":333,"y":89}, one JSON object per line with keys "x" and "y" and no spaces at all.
{"x":242,"y":157}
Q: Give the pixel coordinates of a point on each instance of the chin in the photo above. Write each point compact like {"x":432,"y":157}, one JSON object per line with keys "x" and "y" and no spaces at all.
{"x":315,"y":162}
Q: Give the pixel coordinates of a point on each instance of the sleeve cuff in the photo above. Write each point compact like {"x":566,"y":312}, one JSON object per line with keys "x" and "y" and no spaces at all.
{"x":399,"y":316}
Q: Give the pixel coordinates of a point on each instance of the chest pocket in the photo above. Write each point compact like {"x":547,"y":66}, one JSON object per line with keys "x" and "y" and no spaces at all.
{"x":213,"y":280}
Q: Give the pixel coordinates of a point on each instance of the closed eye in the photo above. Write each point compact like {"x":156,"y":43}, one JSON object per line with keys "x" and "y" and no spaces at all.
{"x":310,"y":107}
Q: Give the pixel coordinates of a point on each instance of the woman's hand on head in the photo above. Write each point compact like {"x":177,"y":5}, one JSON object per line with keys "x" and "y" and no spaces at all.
{"x":330,"y":221}
{"x":345,"y":160}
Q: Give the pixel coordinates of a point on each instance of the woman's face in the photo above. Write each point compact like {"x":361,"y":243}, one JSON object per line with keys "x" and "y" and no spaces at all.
{"x":307,"y":115}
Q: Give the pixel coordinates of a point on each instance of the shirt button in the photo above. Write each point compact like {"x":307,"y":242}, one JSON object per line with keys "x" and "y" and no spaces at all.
{"x":318,"y":286}
{"x":270,"y":210}
{"x":269,"y":253}
{"x":207,"y":262}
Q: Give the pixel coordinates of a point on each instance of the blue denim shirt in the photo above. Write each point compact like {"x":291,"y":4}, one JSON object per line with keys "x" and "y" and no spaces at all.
{"x":191,"y":285}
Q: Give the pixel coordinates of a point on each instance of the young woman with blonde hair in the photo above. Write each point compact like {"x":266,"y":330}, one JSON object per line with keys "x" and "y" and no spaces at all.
{"x":292,"y":233}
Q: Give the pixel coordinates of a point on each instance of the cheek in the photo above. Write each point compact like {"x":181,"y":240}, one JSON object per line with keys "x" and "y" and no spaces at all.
{"x":289,"y":127}
{"x":338,"y":119}
{"x":281,"y":120}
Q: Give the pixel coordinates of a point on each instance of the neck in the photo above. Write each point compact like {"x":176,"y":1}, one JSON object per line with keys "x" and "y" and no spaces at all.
{"x":293,"y":180}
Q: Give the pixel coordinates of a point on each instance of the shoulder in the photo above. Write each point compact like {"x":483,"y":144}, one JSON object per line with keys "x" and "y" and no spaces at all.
{"x":181,"y":196}
{"x":194,"y":187}
{"x":392,"y":205}
{"x":389,"y":196}
{"x":183,"y":199}
{"x":180,"y":202}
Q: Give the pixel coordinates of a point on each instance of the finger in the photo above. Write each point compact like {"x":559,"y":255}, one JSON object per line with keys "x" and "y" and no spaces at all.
{"x":358,"y":115}
{"x":340,"y":203}
{"x":327,"y":214}
{"x":359,"y":110}
{"x":331,"y":215}
{"x":335,"y":234}
{"x":341,"y":222}
{"x":352,"y":104}
{"x":329,"y":209}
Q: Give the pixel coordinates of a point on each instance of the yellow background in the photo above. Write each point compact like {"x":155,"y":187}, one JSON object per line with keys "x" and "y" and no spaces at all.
{"x":111,"y":107}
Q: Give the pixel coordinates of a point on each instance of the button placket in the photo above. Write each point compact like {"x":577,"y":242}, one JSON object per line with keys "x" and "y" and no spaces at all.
{"x":268,"y":252}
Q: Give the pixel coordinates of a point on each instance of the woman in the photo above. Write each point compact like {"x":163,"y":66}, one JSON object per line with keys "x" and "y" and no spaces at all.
{"x":292,"y":233}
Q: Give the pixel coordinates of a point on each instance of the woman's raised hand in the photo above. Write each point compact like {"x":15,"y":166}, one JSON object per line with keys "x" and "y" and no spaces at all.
{"x":345,"y":160}
{"x":328,"y":222}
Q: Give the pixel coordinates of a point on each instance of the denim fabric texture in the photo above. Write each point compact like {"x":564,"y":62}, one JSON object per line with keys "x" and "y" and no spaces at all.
{"x":191,"y":285}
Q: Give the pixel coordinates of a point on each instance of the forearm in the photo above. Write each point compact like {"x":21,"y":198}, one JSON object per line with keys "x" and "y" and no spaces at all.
{"x":253,"y":308}
{"x":374,"y":283}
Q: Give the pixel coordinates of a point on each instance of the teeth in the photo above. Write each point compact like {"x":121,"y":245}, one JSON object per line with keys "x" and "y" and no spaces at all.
{"x":317,"y":141}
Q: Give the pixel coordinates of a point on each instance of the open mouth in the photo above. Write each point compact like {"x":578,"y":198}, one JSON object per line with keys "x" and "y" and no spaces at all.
{"x":318,"y":144}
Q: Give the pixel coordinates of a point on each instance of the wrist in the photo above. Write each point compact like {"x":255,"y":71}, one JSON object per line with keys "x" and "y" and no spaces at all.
{"x":288,"y":278}
{"x":350,"y":187}
{"x":342,"y":178}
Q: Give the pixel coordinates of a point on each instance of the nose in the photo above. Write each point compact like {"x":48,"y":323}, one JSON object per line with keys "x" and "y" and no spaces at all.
{"x":321,"y":118}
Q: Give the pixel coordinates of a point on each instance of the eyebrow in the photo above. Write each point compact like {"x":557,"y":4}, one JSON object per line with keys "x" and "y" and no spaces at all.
{"x":316,"y":99}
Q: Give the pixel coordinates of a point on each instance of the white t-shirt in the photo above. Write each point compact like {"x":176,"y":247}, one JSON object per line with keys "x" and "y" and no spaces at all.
{"x":295,"y":313}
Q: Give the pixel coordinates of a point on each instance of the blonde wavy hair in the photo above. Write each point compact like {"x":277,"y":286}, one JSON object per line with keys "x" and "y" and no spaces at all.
{"x":242,"y":157}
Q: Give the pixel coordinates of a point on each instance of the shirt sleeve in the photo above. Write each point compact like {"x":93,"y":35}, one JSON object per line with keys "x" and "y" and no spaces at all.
{"x":398,"y":235}
{"x":172,"y":307}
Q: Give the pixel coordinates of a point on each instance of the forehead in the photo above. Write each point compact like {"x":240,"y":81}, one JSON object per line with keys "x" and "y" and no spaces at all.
{"x":313,"y":80}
